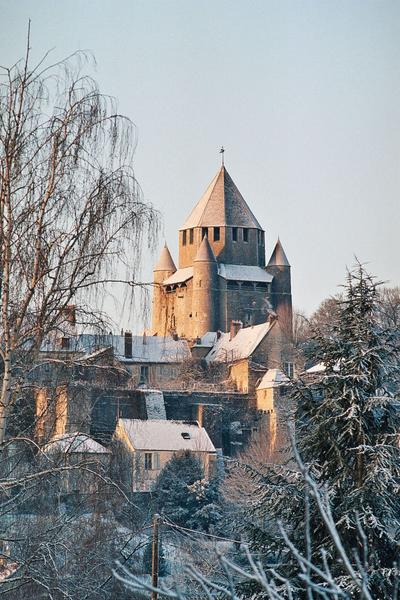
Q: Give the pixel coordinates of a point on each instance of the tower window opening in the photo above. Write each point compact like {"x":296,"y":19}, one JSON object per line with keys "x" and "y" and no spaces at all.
{"x":190,"y":236}
{"x":184,"y":238}
{"x":245,"y":235}
{"x":216,"y":234}
{"x":260,"y":235}
{"x":234,"y":234}
{"x":204,"y":232}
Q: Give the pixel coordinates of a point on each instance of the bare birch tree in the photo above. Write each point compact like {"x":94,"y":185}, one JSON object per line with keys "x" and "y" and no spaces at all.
{"x":70,"y":206}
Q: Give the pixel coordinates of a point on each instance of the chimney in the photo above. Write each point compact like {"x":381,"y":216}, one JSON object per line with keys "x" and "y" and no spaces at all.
{"x":128,"y":344}
{"x":235,"y":327}
{"x":69,"y":312}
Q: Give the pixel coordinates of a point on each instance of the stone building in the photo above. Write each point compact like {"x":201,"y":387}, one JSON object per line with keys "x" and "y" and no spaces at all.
{"x":222,"y":274}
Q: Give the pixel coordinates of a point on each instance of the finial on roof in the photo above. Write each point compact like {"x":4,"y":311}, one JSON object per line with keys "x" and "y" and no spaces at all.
{"x":222,"y":152}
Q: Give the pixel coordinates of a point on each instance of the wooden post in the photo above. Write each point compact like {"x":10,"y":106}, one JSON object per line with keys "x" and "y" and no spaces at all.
{"x":154,"y":557}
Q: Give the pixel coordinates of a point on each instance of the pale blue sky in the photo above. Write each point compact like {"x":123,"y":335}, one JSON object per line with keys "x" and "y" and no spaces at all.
{"x":305,"y":97}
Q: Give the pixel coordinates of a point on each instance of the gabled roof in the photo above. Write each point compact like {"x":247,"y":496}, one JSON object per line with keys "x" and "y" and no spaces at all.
{"x":221,"y":205}
{"x":241,"y":346}
{"x":273,"y":378}
{"x":74,"y":443}
{"x":278,"y":256}
{"x":165,"y":262}
{"x":205,"y":252}
{"x":159,"y":434}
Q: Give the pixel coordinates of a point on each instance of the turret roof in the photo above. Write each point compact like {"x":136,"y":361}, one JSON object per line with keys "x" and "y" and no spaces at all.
{"x":205,"y":252}
{"x":278,"y":256}
{"x":221,"y":205}
{"x":165,"y":262}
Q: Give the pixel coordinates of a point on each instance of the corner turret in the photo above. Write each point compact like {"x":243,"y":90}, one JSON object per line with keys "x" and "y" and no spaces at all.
{"x":281,"y":288}
{"x":205,"y":290}
{"x":164,"y":268}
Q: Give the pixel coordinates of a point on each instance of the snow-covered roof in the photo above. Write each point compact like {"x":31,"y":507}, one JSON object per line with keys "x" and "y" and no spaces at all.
{"x":242,"y":345}
{"x":180,"y":276}
{"x":272,"y":378}
{"x":221,"y":205}
{"x":74,"y":443}
{"x":321,"y":368}
{"x":207,"y":340}
{"x":244,"y":273}
{"x":145,"y":348}
{"x":158,"y":435}
{"x":230,"y":272}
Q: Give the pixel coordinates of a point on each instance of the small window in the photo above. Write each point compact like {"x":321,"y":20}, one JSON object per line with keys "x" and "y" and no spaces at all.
{"x":260,"y":235}
{"x":184,"y":238}
{"x":245,"y":235}
{"x":185,"y":435}
{"x":234,"y":234}
{"x":65,"y":343}
{"x":144,"y":373}
{"x":288,"y":369}
{"x":156,"y":460}
{"x":204,"y":232}
{"x":216,"y":234}
{"x":190,"y":236}
{"x":148,"y":461}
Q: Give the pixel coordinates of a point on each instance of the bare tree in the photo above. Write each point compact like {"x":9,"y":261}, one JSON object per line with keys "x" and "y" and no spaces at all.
{"x":70,"y":207}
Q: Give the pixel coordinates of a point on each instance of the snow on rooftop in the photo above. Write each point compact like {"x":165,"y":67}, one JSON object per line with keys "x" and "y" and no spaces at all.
{"x":74,"y":443}
{"x":207,"y":340}
{"x":229,"y":272}
{"x":158,"y":435}
{"x":272,"y":378}
{"x":180,"y":276}
{"x":244,"y":273}
{"x":242,"y":345}
{"x":145,"y":348}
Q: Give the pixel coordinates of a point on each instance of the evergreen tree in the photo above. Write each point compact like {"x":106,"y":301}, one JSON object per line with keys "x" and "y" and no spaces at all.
{"x":347,"y":430}
{"x":184,"y":496}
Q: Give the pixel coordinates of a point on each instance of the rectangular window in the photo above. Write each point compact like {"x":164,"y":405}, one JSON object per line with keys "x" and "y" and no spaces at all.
{"x":190,"y":236}
{"x":184,"y":238}
{"x":144,"y":373}
{"x":148,"y":461}
{"x":234,"y":234}
{"x":216,"y":234}
{"x":204,"y":232}
{"x":245,"y":235}
{"x":260,"y":235}
{"x":288,"y":369}
{"x":65,"y":343}
{"x":156,"y":460}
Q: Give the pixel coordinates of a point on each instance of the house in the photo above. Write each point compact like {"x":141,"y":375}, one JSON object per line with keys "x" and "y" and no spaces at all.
{"x":250,"y":351}
{"x":145,"y":447}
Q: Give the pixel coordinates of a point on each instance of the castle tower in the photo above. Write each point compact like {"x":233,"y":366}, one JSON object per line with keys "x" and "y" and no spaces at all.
{"x":205,"y":305}
{"x":222,"y":275}
{"x":161,"y":312}
{"x":281,"y":289}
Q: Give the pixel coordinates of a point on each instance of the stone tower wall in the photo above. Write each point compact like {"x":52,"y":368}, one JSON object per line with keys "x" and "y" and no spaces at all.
{"x":205,"y":305}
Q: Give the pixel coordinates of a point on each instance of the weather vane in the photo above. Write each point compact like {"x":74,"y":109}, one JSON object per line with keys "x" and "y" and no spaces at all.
{"x":222,"y":157}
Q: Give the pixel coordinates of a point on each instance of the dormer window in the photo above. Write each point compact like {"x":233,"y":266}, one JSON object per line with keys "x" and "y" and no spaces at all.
{"x":234,"y":234}
{"x":185,"y":435}
{"x":245,"y":235}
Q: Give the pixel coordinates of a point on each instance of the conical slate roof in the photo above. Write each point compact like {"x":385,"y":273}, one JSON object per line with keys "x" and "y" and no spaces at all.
{"x":205,"y":252}
{"x":165,"y":262}
{"x":278,"y":256}
{"x":221,"y":205}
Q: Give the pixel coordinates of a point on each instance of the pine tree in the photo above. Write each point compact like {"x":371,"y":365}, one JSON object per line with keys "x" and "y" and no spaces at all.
{"x":347,"y":433}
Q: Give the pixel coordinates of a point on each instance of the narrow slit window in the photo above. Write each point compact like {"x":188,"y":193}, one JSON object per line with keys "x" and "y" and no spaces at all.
{"x":216,"y":234}
{"x":234,"y":234}
{"x":245,"y":235}
{"x":204,"y":232}
{"x":190,"y":236}
{"x":184,"y":238}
